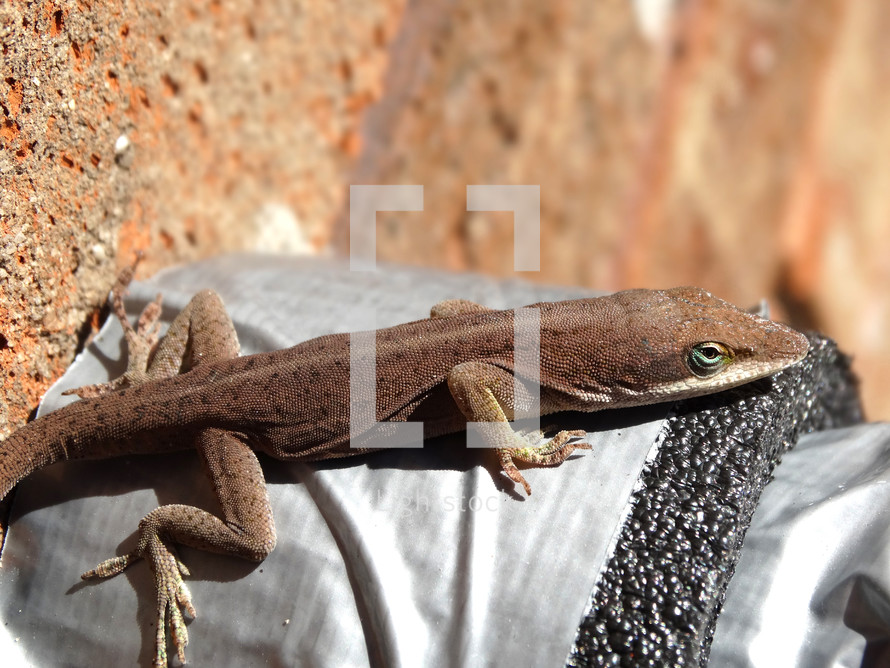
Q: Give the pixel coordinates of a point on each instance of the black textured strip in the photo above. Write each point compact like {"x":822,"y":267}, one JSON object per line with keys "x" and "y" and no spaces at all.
{"x":658,"y":600}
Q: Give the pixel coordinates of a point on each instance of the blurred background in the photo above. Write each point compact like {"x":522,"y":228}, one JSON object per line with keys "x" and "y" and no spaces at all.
{"x":739,"y":145}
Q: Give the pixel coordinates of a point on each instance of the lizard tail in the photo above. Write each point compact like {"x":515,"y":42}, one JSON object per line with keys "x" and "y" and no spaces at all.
{"x":94,"y":429}
{"x":28,"y":449}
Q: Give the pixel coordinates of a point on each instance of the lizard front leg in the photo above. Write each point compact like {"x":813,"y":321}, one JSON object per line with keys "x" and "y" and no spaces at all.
{"x":484,"y":394}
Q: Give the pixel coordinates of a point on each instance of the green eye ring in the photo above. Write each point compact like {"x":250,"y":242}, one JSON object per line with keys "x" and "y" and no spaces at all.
{"x":708,"y":358}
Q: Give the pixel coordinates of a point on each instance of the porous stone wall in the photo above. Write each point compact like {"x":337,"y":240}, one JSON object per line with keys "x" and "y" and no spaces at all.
{"x":740,"y":145}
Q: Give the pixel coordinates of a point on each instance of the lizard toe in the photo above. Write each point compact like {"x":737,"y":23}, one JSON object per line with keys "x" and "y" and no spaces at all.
{"x":173,"y":598}
{"x":112,"y":566}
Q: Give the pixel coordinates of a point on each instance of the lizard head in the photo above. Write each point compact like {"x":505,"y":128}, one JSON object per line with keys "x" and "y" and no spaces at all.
{"x":689,"y":342}
{"x":661,"y":345}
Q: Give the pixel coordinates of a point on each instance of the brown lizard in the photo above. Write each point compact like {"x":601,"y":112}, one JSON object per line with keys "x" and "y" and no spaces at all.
{"x":191,"y":388}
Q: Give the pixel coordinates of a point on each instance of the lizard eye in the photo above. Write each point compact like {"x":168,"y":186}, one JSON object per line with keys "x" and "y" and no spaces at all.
{"x":708,"y":358}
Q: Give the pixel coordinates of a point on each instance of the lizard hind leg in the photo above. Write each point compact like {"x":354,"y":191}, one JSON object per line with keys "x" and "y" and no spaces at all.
{"x":245,"y":529}
{"x":201,"y":331}
{"x":140,"y":340}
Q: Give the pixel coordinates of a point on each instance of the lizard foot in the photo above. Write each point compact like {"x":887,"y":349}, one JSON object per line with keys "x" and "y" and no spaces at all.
{"x":141,"y":340}
{"x":173,"y":594}
{"x":552,"y":452}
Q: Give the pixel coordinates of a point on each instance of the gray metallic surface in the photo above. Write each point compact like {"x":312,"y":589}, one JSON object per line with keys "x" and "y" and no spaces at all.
{"x":813,"y":585}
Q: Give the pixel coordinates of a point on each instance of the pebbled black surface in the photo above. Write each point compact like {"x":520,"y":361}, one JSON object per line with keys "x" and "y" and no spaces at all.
{"x":659,"y":598}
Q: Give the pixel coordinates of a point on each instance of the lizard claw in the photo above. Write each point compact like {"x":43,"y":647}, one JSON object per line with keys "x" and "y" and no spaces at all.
{"x":552,"y":452}
{"x":513,"y":473}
